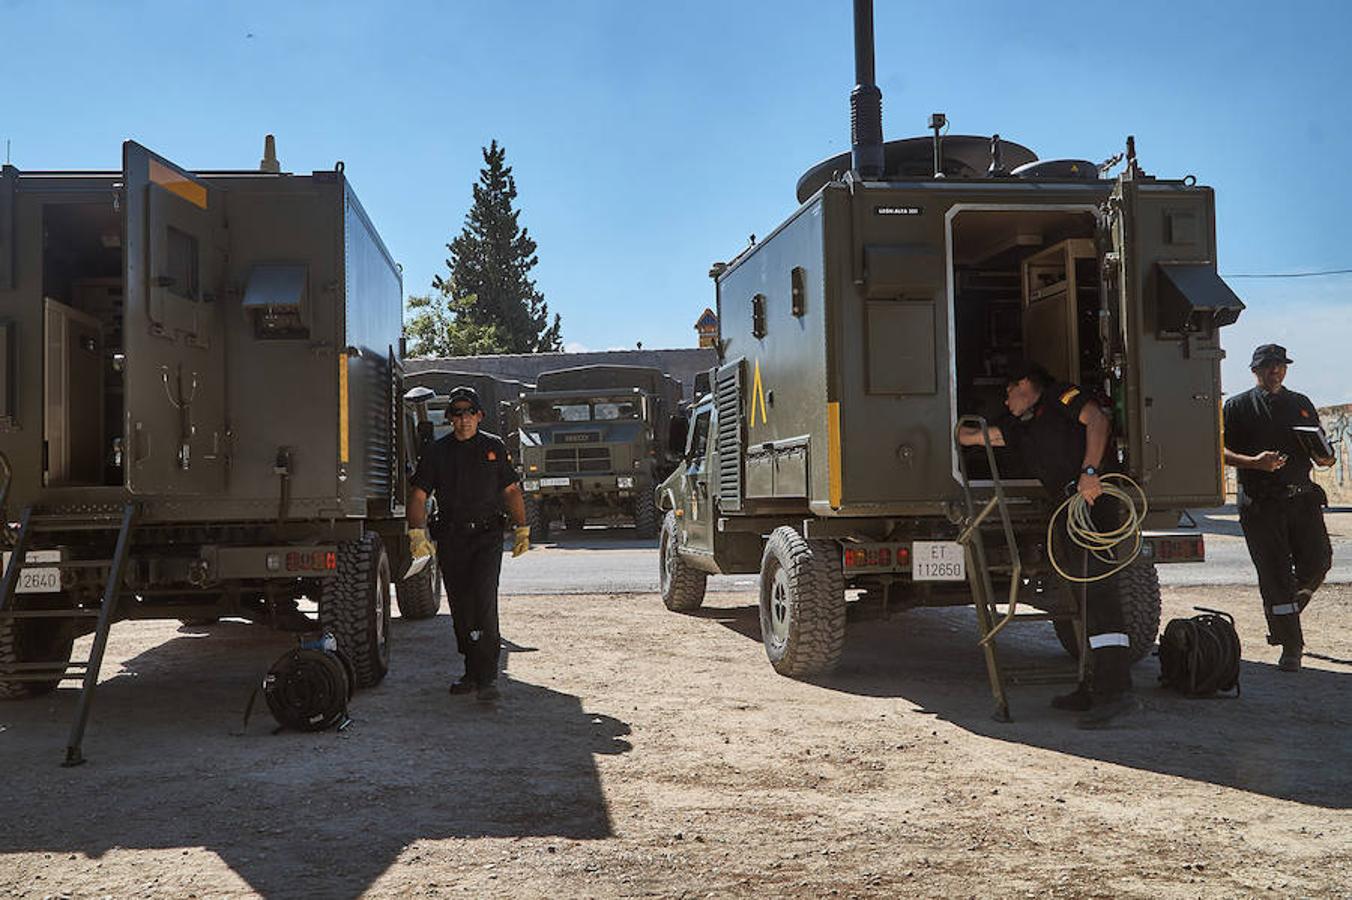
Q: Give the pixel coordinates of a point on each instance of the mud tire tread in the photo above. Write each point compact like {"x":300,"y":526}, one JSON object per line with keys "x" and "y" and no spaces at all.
{"x":682,"y":589}
{"x":817,"y":608}
{"x":346,"y":607}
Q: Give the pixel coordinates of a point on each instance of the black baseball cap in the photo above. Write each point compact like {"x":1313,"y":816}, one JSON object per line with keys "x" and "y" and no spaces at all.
{"x":467,"y":394}
{"x":1268,"y":354}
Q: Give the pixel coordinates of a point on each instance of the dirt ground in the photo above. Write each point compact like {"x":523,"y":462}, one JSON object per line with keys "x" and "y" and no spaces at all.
{"x":637,"y":752}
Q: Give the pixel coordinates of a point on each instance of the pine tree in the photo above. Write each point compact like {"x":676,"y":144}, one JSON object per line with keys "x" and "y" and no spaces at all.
{"x":489,"y":290}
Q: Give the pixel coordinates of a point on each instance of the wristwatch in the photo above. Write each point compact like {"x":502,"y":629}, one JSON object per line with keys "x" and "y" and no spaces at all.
{"x":1089,"y":470}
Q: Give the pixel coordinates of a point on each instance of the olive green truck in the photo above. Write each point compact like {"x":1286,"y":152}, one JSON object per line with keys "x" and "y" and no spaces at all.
{"x":200,"y":411}
{"x":593,"y":445}
{"x":891,"y":304}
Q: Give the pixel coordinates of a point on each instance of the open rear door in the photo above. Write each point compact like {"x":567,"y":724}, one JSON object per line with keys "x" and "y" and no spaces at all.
{"x":174,"y":265}
{"x":1171,"y":307}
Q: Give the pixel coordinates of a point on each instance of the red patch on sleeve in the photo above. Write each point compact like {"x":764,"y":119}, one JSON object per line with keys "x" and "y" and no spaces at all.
{"x":1304,"y":413}
{"x":492,"y":455}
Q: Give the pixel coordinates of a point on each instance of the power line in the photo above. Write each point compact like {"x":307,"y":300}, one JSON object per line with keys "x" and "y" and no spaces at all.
{"x":1294,"y":274}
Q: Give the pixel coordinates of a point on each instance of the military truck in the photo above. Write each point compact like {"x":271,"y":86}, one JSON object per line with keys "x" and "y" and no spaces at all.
{"x":593,"y":446}
{"x":891,"y":304}
{"x":500,"y":397}
{"x":200,"y":389}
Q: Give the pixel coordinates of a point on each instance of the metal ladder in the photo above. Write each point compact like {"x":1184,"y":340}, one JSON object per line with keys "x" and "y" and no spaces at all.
{"x":88,"y":671}
{"x":990,"y":618}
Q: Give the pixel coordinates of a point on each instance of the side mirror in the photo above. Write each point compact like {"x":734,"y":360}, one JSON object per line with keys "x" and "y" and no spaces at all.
{"x":677,"y":433}
{"x":419,"y":395}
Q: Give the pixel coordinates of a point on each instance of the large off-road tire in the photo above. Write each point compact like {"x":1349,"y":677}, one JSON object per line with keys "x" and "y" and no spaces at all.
{"x":419,"y":597}
{"x":355,"y":607}
{"x":32,"y":641}
{"x":645,"y":512}
{"x":682,"y":586}
{"x":1138,"y":590}
{"x":538,"y":519}
{"x":802,"y":604}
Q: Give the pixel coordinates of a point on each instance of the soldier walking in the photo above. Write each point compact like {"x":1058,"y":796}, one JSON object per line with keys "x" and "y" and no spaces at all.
{"x":471,"y":476}
{"x":1280,"y":508}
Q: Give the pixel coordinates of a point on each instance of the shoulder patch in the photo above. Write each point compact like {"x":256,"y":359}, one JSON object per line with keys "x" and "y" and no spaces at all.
{"x":492,"y":455}
{"x":1069,"y":395}
{"x":1304,"y":413}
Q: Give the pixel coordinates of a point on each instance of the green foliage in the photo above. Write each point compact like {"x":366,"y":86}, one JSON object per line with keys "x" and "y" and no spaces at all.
{"x":437,"y":327}
{"x":487,"y":302}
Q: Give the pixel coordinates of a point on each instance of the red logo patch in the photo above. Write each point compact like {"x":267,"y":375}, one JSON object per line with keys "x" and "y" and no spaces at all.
{"x":1304,"y":413}
{"x":492,"y":455}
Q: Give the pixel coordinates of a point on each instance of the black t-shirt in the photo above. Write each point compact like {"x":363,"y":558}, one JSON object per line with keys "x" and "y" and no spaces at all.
{"x":467,"y":477}
{"x":1050,"y":438}
{"x":1256,"y":421}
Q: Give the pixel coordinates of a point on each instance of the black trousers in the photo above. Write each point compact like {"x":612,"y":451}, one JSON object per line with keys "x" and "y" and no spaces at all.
{"x":1105,"y":624}
{"x":470,"y":565}
{"x":1290,"y":549}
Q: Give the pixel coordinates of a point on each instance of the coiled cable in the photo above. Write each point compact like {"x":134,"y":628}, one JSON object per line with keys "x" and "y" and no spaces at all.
{"x":1200,"y":656}
{"x":1102,"y":545}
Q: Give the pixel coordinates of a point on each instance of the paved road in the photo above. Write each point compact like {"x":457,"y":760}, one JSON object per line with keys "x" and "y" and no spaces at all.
{"x":612,"y":561}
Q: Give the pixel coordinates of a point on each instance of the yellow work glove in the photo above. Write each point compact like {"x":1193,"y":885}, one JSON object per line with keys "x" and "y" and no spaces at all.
{"x":521,"y":540}
{"x":418,"y":544}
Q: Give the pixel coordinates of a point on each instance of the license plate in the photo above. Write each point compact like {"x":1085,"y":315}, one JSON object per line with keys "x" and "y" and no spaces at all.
{"x":555,"y":482}
{"x":938,"y":561}
{"x":37,"y":580}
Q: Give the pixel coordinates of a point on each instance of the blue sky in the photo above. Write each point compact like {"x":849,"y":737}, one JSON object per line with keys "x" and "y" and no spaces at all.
{"x":649,"y":140}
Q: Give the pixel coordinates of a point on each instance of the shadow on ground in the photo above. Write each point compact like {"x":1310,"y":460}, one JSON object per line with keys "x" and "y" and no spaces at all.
{"x":1288,"y":736}
{"x":300,"y":814}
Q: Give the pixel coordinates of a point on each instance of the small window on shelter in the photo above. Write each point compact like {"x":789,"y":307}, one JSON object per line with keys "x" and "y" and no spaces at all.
{"x":183,"y":265}
{"x":758,"y":315}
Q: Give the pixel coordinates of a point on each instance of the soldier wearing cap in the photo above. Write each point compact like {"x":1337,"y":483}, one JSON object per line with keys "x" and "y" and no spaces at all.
{"x":471,"y":476}
{"x":1061,"y":434}
{"x":1279,"y":506}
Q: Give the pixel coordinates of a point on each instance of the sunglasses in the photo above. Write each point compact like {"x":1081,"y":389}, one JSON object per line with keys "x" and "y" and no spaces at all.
{"x":457,"y":412}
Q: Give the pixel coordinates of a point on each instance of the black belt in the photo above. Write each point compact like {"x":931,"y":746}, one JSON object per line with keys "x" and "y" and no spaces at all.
{"x":1282,"y":491}
{"x":493,"y":524}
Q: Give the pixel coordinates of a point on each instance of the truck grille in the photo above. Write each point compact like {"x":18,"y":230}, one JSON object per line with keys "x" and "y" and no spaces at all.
{"x":728,"y":398}
{"x":572,"y":460}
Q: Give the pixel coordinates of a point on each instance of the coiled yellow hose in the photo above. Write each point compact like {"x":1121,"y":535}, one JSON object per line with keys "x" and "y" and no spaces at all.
{"x":1102,"y":544}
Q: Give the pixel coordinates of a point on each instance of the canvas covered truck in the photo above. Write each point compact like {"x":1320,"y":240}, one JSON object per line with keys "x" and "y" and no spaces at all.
{"x":593,"y":445}
{"x":200,"y":391}
{"x":889,"y":307}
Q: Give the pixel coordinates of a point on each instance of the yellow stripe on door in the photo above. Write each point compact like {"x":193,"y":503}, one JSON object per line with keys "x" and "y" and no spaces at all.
{"x":178,"y":184}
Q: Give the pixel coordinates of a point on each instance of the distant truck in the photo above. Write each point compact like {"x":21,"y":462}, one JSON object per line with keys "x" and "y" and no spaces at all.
{"x":892,"y":304}
{"x":200,"y":410}
{"x":593,"y":445}
{"x":500,"y":398}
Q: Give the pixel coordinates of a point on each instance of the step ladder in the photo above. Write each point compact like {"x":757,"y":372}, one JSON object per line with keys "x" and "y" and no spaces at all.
{"x":994,"y":614}
{"x":34,"y":522}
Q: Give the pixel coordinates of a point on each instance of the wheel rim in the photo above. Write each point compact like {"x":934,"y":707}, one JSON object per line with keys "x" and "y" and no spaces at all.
{"x":780,"y":611}
{"x":668,"y":561}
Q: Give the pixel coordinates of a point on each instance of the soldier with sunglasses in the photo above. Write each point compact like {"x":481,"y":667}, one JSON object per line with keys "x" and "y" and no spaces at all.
{"x":471,"y":476}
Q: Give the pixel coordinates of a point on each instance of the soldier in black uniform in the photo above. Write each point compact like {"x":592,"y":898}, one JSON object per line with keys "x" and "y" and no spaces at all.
{"x":473,"y":480}
{"x":1062,"y":436}
{"x":1279,"y":506}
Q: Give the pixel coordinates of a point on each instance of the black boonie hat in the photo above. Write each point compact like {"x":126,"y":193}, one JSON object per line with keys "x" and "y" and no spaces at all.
{"x":464,"y":392}
{"x":1266,"y":354}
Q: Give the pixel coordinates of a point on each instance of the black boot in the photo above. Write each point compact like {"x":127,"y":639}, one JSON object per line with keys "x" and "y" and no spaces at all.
{"x":1290,"y":661}
{"x":1108,"y":710}
{"x":1078,"y":700}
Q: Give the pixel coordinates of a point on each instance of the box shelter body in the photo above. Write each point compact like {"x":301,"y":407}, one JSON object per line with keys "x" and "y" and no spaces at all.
{"x":200,"y":385}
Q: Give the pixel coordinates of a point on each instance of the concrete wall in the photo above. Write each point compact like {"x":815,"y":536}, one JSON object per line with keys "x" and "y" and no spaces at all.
{"x":680,"y":364}
{"x":1337,"y":481}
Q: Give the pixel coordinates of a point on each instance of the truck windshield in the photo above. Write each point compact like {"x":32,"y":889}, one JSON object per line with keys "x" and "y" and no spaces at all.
{"x":543,"y":412}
